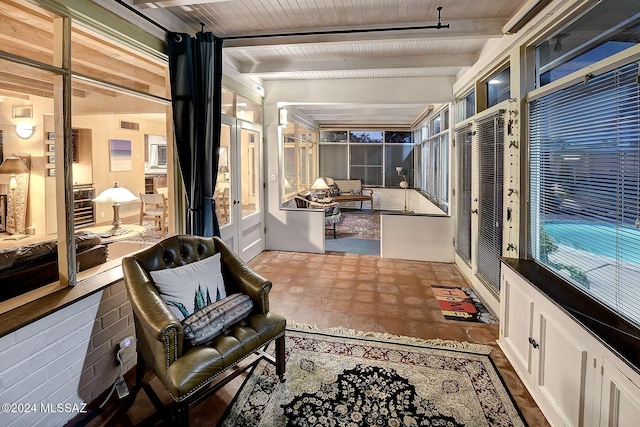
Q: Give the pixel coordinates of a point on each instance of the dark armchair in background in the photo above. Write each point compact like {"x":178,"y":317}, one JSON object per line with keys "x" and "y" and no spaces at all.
{"x":187,"y":370}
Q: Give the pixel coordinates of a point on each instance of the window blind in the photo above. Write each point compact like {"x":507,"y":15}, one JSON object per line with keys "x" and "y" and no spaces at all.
{"x":585,"y":187}
{"x":464,"y":139}
{"x":490,"y":166}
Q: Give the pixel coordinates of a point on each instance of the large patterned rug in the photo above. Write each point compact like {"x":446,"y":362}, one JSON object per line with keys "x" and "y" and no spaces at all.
{"x":357,"y":224}
{"x":347,"y":378}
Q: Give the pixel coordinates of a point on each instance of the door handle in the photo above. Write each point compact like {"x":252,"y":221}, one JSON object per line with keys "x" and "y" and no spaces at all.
{"x":474,"y":211}
{"x":533,"y":343}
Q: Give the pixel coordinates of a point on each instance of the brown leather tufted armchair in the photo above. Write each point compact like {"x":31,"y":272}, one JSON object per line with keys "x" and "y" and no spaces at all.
{"x":186,"y":372}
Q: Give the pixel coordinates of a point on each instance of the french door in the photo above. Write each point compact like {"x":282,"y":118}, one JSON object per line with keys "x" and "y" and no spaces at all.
{"x":239,"y":196}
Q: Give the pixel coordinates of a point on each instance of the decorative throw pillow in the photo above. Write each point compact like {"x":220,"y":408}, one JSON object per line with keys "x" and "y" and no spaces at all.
{"x":215,"y":319}
{"x":334,"y":190}
{"x":190,"y":287}
{"x":356,"y":192}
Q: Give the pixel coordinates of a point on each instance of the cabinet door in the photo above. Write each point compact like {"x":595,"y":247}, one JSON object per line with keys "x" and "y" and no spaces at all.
{"x":620,"y":404}
{"x":561,"y":365}
{"x":516,"y":326}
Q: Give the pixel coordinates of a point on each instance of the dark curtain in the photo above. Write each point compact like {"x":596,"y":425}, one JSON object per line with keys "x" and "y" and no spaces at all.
{"x":195,"y":70}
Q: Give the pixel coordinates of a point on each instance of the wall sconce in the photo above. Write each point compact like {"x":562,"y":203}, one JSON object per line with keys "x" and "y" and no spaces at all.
{"x":282,"y":116}
{"x":25,"y":130}
{"x":116,"y":195}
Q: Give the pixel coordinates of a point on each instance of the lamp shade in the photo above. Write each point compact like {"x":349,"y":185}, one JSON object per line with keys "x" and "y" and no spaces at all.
{"x":319,"y":185}
{"x":115,"y":194}
{"x":13,"y":165}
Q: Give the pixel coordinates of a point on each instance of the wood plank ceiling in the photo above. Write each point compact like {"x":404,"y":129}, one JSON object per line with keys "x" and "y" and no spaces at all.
{"x":402,"y":49}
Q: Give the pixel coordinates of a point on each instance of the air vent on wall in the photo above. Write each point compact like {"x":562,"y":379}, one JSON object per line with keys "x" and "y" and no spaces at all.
{"x":129,"y":125}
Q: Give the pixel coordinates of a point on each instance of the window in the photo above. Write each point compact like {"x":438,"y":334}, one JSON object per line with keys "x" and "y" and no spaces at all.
{"x":466,"y":107}
{"x":490,"y":168}
{"x":578,"y":46}
{"x":116,"y":94}
{"x":464,"y":139}
{"x":498,"y":87}
{"x":433,"y":176}
{"x":371,"y":156}
{"x":248,"y":110}
{"x":585,"y":187}
{"x":299,"y":161}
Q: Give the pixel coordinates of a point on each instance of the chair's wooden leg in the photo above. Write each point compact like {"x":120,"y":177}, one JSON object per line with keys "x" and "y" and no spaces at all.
{"x":334,"y":231}
{"x":182,"y":415}
{"x":280,"y":358}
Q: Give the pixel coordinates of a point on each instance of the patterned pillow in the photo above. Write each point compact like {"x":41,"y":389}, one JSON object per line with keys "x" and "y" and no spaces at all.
{"x":334,"y":190}
{"x":215,"y":319}
{"x":191,"y":287}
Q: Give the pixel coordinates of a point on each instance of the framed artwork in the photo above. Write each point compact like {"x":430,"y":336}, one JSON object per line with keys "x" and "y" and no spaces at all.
{"x":51,"y":159}
{"x":51,"y":136}
{"x":51,"y":148}
{"x":223,"y":157}
{"x":3,"y":213}
{"x":51,"y":172}
{"x":119,"y":155}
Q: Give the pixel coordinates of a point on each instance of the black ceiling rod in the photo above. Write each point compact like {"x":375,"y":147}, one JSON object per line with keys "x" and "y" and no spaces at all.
{"x":438,"y":26}
{"x":142,"y":15}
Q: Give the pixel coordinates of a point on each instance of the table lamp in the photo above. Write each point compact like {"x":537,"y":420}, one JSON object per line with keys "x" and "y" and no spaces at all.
{"x":116,"y":195}
{"x":13,"y":166}
{"x":320,"y":186}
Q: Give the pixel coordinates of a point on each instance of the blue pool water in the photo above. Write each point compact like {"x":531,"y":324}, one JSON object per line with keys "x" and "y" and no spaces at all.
{"x":600,"y":239}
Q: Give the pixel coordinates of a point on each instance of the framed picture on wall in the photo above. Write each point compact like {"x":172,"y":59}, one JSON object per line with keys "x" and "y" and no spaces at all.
{"x":51,"y":148}
{"x":3,"y":213}
{"x":51,"y":172}
{"x":51,"y":159}
{"x":119,"y":155}
{"x":51,"y":136}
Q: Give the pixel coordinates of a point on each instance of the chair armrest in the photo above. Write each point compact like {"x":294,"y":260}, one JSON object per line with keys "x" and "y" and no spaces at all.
{"x":152,"y":313}
{"x":370,"y":190}
{"x":239,"y":277}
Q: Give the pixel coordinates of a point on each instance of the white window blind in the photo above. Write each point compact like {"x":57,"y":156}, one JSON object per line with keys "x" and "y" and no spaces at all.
{"x":490,"y":168}
{"x":585,"y":187}
{"x":464,"y":138}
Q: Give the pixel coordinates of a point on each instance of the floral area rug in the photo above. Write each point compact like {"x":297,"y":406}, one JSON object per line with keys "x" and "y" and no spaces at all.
{"x":347,"y":378}
{"x":356,"y":224}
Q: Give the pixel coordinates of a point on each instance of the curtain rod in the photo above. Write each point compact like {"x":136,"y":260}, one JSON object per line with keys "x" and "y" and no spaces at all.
{"x":142,"y":15}
{"x":438,"y":26}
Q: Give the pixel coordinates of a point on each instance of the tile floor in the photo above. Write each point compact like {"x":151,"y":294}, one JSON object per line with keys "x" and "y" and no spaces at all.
{"x":361,"y":292}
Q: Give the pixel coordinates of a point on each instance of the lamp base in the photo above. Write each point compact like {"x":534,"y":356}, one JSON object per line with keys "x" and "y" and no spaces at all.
{"x":16,"y":237}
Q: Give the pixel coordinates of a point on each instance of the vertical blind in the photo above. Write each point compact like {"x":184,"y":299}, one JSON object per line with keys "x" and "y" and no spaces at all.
{"x":463,"y":192}
{"x":490,"y":166}
{"x":585,"y":187}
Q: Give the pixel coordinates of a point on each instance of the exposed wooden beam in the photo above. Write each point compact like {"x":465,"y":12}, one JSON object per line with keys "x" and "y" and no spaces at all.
{"x":404,"y":62}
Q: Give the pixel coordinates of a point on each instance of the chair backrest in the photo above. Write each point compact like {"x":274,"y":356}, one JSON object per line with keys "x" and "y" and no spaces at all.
{"x":152,"y":199}
{"x":302,"y":200}
{"x":175,"y":251}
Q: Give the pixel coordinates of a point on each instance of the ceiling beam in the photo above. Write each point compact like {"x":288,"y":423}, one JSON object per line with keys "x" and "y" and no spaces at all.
{"x":403,"y":62}
{"x":476,"y":29}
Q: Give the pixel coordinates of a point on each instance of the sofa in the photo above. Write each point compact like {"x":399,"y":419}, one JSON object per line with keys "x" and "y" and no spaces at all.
{"x":349,"y":190}
{"x":25,"y":268}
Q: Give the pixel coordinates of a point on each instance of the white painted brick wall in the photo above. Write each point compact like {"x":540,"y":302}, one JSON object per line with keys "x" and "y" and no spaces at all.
{"x":67,"y":357}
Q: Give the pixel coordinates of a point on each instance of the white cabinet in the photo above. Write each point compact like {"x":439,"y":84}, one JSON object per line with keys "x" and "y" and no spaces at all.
{"x":574,"y":379}
{"x":620,"y":405}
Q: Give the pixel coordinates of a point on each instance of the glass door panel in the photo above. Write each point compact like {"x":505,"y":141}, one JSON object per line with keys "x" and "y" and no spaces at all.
{"x":224,"y":184}
{"x":250,"y":173}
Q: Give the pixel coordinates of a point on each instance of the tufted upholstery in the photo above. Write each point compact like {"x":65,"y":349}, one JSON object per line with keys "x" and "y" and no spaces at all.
{"x":184,"y":370}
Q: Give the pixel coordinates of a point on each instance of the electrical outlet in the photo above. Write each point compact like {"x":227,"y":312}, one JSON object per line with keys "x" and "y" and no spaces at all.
{"x":127,"y":349}
{"x":101,"y":214}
